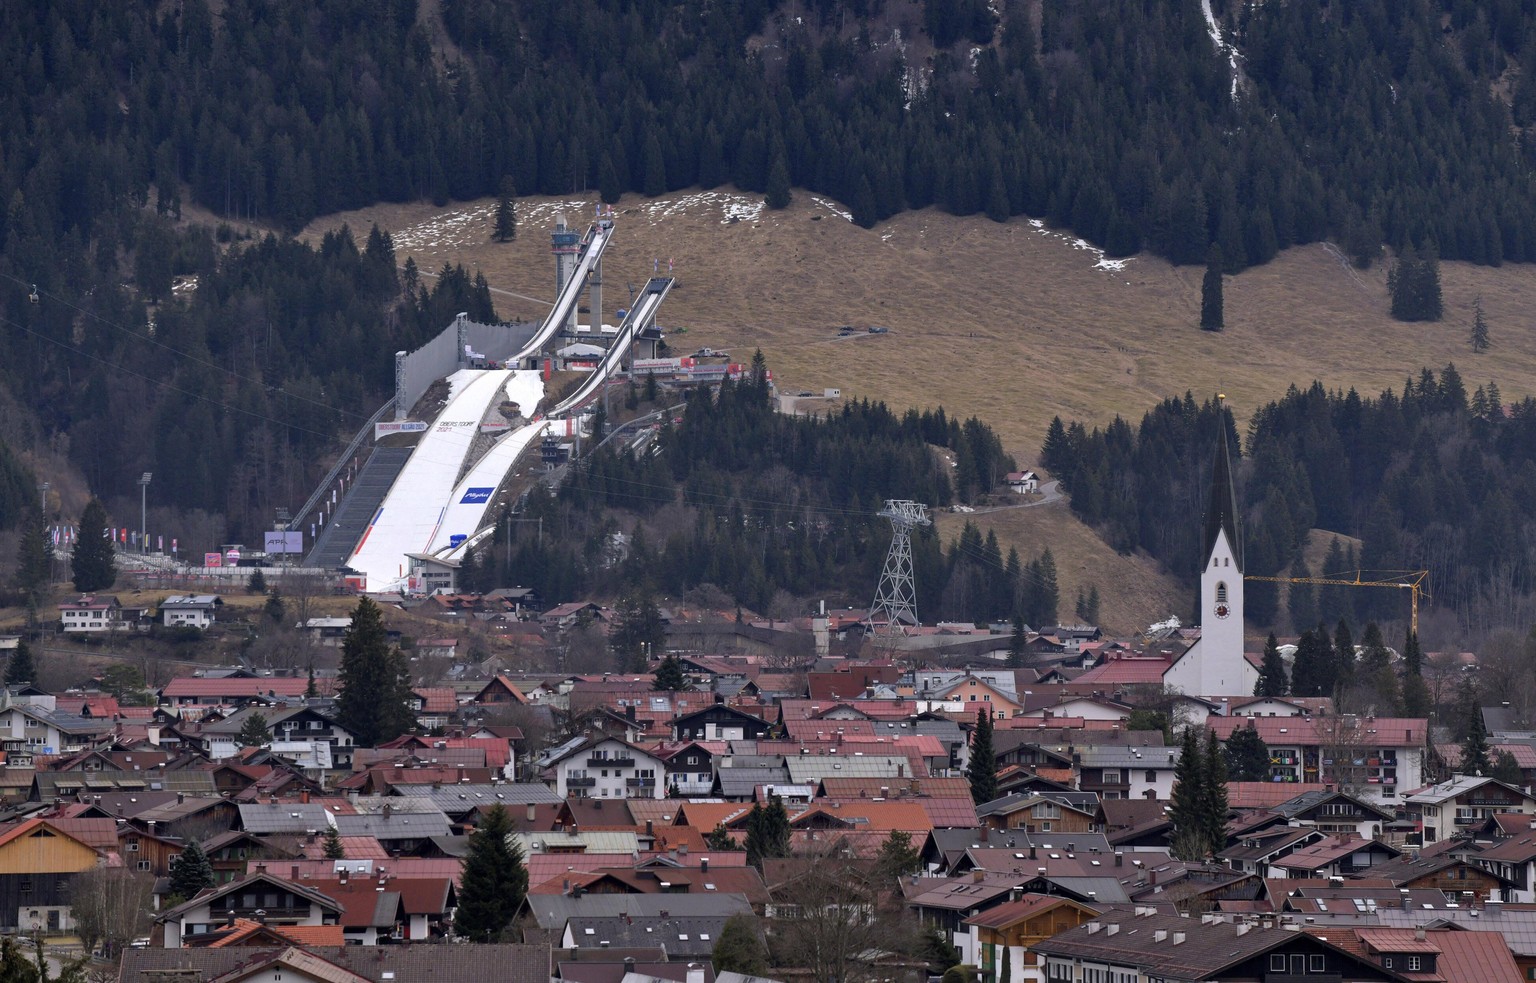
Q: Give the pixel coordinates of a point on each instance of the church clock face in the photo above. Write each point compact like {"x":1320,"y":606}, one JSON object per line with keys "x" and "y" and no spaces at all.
{"x":1222,"y":610}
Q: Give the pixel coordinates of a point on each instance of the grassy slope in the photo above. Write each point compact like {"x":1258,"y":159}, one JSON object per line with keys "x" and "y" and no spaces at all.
{"x":1006,"y":321}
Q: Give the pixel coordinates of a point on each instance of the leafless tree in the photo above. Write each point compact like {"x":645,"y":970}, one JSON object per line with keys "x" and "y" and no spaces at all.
{"x":110,"y":906}
{"x":837,"y":920}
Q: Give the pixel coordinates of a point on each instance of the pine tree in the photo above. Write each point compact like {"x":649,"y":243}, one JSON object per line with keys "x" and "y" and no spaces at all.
{"x":778,"y":195}
{"x":1344,"y":653}
{"x":190,"y":872}
{"x":334,"y":849}
{"x":1416,"y":698}
{"x":638,"y":631}
{"x":720,"y":838}
{"x":669,"y":675}
{"x":897,"y":856}
{"x":767,"y":832}
{"x":1272,"y":679}
{"x":1247,"y":755}
{"x":1188,"y":800}
{"x":94,"y":563}
{"x":740,"y":948}
{"x":34,"y":556}
{"x":1480,"y":341}
{"x":256,"y":583}
{"x":1212,"y":307}
{"x":254,"y":732}
{"x":374,"y":680}
{"x":1006,"y":975}
{"x":506,"y":212}
{"x":1016,"y":642}
{"x":982,"y":769}
{"x":1213,"y":795}
{"x":1475,"y":758}
{"x":21,"y":668}
{"x":493,"y":880}
{"x":1506,"y":769}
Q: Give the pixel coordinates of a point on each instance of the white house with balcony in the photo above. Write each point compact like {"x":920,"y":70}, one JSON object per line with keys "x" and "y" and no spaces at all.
{"x":601,"y":767}
{"x":194,"y":610}
{"x":91,"y":614}
{"x":259,"y":896}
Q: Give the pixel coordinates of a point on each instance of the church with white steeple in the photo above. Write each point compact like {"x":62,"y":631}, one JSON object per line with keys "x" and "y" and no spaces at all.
{"x":1214,"y":665}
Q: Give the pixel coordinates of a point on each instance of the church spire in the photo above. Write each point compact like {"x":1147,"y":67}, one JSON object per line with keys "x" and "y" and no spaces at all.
{"x":1221,"y":506}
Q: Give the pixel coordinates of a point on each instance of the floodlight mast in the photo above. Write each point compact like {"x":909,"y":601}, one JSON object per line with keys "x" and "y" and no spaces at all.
{"x":895,"y":604}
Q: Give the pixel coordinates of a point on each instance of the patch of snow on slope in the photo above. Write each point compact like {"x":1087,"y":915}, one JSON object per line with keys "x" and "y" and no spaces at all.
{"x":450,"y":229}
{"x":1104,"y":263}
{"x":733,"y":208}
{"x":831,"y":206}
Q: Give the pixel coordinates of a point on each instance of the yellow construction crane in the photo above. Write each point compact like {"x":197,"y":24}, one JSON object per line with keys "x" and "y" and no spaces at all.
{"x":1410,"y":580}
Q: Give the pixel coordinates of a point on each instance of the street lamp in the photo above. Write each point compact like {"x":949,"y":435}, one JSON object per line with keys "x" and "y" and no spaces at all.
{"x":143,"y":523}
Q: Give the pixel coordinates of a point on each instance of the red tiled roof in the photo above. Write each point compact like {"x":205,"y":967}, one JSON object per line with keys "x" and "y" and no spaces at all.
{"x":1012,"y":911}
{"x":188,"y":686}
{"x":1126,"y":671}
{"x":1262,"y":795}
{"x":437,"y":699}
{"x":1317,"y":731}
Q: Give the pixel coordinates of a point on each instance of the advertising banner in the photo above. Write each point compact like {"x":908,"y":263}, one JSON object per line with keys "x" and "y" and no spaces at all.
{"x":476,"y":496}
{"x":398,"y":426}
{"x":283,"y":541}
{"x":213,"y":559}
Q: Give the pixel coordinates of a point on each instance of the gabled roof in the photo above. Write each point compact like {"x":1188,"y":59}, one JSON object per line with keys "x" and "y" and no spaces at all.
{"x":373,"y":964}
{"x":1028,"y":906}
{"x":219,"y":891}
{"x":29,"y":827}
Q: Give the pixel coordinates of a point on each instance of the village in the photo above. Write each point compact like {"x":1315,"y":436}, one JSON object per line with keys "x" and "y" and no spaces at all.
{"x":801,"y":799}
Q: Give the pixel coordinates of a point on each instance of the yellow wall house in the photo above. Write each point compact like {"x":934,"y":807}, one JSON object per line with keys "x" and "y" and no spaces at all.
{"x":36,"y":864}
{"x":1013,"y":928}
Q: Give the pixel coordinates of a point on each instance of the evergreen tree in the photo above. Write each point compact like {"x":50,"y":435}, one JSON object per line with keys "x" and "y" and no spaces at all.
{"x":492,"y":881}
{"x":506,"y":211}
{"x":1247,"y":755}
{"x":1344,"y":653}
{"x":1376,"y":671}
{"x":34,"y":556}
{"x":1416,"y":698}
{"x":190,"y":872}
{"x":720,"y":838}
{"x":1016,"y":641}
{"x":254,"y":732}
{"x":311,"y":691}
{"x":638,"y":632}
{"x":1056,"y":452}
{"x":1309,"y":672}
{"x":982,"y":768}
{"x":1475,"y":758}
{"x":1185,"y":808}
{"x":374,"y":680}
{"x":767,"y":832}
{"x":93,"y":562}
{"x":669,"y":674}
{"x":256,"y":583}
{"x":1272,"y":678}
{"x":1212,"y":308}
{"x":274,"y":610}
{"x":1414,"y":283}
{"x":333,"y":847}
{"x":778,"y":196}
{"x":1213,"y":795}
{"x":740,"y":948}
{"x":897,"y":856}
{"x":21,"y":668}
{"x":1480,"y":342}
{"x":1506,"y":769}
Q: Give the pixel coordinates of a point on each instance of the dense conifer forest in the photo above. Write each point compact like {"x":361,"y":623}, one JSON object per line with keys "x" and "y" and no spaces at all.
{"x":755,"y":502}
{"x":1398,"y":121}
{"x":1426,"y":477}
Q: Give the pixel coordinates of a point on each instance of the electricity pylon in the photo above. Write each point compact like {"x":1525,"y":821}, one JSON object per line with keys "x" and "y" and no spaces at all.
{"x":895,"y":604}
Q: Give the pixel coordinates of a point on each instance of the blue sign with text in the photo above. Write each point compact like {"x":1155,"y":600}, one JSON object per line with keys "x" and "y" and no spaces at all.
{"x":474,"y":496}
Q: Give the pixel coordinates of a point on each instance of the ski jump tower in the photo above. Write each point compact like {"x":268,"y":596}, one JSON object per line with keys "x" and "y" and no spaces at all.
{"x":896,"y":597}
{"x":565,"y":243}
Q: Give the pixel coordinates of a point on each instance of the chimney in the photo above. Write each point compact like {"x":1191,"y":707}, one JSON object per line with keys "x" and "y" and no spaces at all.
{"x":388,"y":810}
{"x":629,"y":964}
{"x":1119,"y":859}
{"x":703,"y":865}
{"x":1032,"y":852}
{"x":304,"y":797}
{"x":180,"y":798}
{"x":695,"y":973}
{"x":650,"y":828}
{"x":533,"y":812}
{"x":985,"y":833}
{"x":261,"y":868}
{"x":978,"y":875}
{"x":341,"y":876}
